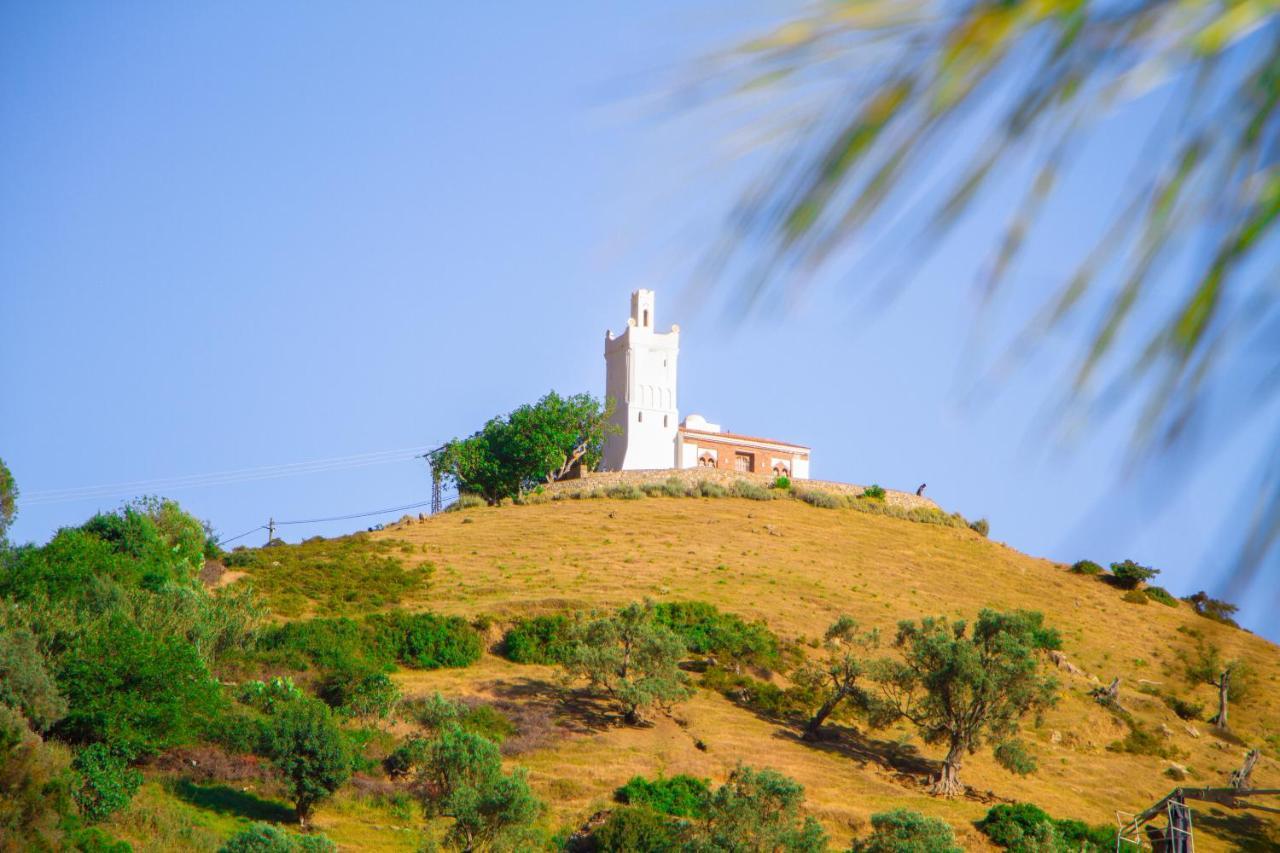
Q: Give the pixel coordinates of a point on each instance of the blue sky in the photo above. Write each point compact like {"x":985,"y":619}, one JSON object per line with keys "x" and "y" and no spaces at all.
{"x":235,"y":235}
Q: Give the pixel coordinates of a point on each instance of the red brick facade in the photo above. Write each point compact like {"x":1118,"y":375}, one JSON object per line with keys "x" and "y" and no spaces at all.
{"x":745,"y":454}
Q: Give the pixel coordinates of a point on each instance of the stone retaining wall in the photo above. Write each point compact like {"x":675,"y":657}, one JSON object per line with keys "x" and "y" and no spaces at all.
{"x":605,"y":479}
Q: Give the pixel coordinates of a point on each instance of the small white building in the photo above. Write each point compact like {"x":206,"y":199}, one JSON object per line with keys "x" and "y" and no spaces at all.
{"x":640,"y":381}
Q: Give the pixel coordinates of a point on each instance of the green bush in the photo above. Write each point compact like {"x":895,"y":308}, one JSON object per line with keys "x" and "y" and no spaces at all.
{"x":982,"y":527}
{"x":1213,"y":608}
{"x":1013,"y":756}
{"x":705,"y":630}
{"x":1130,"y":575}
{"x":407,"y":757}
{"x":362,"y":694}
{"x":331,"y":644}
{"x":1135,"y":596}
{"x":708,"y":489}
{"x":819,"y":498}
{"x":766,"y":699}
{"x":905,"y":831}
{"x":426,"y":640}
{"x":1027,"y":828}
{"x":540,"y":639}
{"x":624,"y":491}
{"x":1142,"y":741}
{"x":310,"y":751}
{"x":1185,"y":710}
{"x":1160,"y":594}
{"x":265,"y":838}
{"x":438,"y":714}
{"x":782,"y":482}
{"x":677,"y":796}
{"x":25,"y":681}
{"x":267,"y":696}
{"x":873,"y":492}
{"x":466,"y":500}
{"x":237,"y":729}
{"x":752,"y":491}
{"x":107,"y":783}
{"x":637,"y":830}
{"x":1086,"y":567}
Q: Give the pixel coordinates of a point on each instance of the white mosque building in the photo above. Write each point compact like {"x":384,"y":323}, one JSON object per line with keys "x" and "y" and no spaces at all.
{"x":640,"y":379}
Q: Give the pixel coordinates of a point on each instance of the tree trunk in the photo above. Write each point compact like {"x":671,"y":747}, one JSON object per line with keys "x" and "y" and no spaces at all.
{"x":815,"y":722}
{"x":1224,"y":687}
{"x":632,"y":716}
{"x":948,"y":783}
{"x":303,"y":810}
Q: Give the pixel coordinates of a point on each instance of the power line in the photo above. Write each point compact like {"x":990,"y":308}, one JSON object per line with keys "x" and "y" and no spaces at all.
{"x":241,"y":536}
{"x":360,"y":514}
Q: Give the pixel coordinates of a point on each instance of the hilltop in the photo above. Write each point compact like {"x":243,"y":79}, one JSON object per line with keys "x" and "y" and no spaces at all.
{"x":796,"y":567}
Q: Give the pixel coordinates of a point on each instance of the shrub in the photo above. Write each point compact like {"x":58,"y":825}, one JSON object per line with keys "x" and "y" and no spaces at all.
{"x":25,"y":681}
{"x":267,"y":696}
{"x":905,"y":831}
{"x":674,"y":487}
{"x":706,"y":630}
{"x":107,"y":784}
{"x":1130,"y":575}
{"x":237,"y":729}
{"x":678,"y":796}
{"x":708,"y":489}
{"x":1160,"y":594}
{"x":310,"y":751}
{"x":1086,"y":567}
{"x":1142,"y":741}
{"x":758,"y":810}
{"x":466,"y":500}
{"x":426,"y":640}
{"x":265,"y":838}
{"x":1025,"y":827}
{"x":438,"y":714}
{"x":1213,"y":608}
{"x":366,"y":695}
{"x":982,"y":527}
{"x":540,"y":639}
{"x":624,"y":491}
{"x":766,"y":699}
{"x":1135,"y":596}
{"x":1185,"y":710}
{"x":331,"y":644}
{"x":752,"y":491}
{"x":407,"y":757}
{"x":1013,"y":756}
{"x":818,"y":498}
{"x":874,"y":492}
{"x":637,"y":830}
{"x":782,"y":482}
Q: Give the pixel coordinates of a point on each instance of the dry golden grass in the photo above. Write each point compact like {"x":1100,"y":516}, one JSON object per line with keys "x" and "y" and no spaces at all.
{"x":798,"y":567}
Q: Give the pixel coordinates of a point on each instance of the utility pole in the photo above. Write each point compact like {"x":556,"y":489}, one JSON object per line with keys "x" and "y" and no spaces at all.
{"x":271,"y":530}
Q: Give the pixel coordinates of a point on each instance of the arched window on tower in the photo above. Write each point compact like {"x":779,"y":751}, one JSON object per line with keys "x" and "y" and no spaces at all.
{"x":646,"y":318}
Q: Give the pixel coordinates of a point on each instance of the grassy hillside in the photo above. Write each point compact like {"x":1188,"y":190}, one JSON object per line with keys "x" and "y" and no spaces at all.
{"x":796,"y":567}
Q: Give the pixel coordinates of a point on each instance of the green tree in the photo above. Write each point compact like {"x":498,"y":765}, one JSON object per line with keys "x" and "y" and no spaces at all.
{"x":107,"y":783}
{"x":464,"y":780}
{"x":25,"y":681}
{"x":835,"y":678}
{"x":873,"y":101}
{"x":1131,"y":575}
{"x":8,"y":499}
{"x":756,"y":810}
{"x":965,"y":689}
{"x":632,"y":659}
{"x":1231,"y":678}
{"x":905,"y":831}
{"x":308,"y":748}
{"x":538,"y":442}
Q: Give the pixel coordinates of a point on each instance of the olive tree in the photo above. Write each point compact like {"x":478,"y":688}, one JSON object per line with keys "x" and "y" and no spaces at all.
{"x":1230,"y":678}
{"x":967,"y":689}
{"x":310,"y":751}
{"x":835,"y":678}
{"x":632,"y":659}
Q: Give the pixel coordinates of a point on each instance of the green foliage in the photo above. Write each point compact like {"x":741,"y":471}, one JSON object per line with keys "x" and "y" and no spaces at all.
{"x":677,"y":796}
{"x":343,"y":575}
{"x":1185,"y":710}
{"x":426,"y":640}
{"x":540,"y":639}
{"x":437,"y":714}
{"x":134,"y":689}
{"x":762,"y":697}
{"x":834,"y":679}
{"x":106,"y":782}
{"x":36,"y":781}
{"x":704,"y":629}
{"x":905,"y":831}
{"x":1014,"y":756}
{"x":1135,"y":596}
{"x":361,"y":694}
{"x":967,"y":689}
{"x":782,"y":482}
{"x":1142,"y":741}
{"x":982,"y":527}
{"x":309,"y":749}
{"x":1086,"y":567}
{"x":1026,"y":828}
{"x":266,"y":838}
{"x":268,"y":696}
{"x":8,"y":499}
{"x":752,"y":491}
{"x":1213,"y":608}
{"x":535,"y":443}
{"x":1130,"y":575}
{"x":708,"y":489}
{"x":624,"y":491}
{"x":757,"y":810}
{"x":632,"y":659}
{"x":874,"y":492}
{"x":463,"y":771}
{"x":637,"y":830}
{"x":1160,"y":594}
{"x":819,"y":498}
{"x":25,"y":681}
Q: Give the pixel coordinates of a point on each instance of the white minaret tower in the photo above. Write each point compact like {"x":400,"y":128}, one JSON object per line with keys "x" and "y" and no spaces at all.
{"x":640,"y":381}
